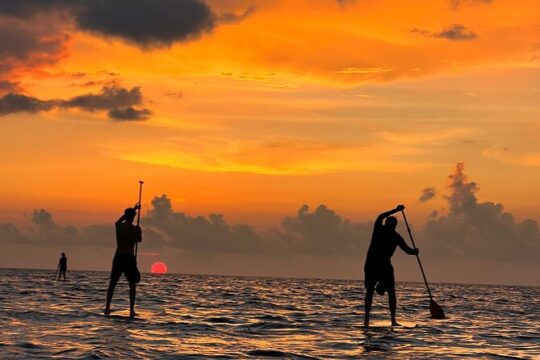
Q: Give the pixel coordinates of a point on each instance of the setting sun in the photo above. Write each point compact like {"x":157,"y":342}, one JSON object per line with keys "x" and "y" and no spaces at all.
{"x":158,"y":268}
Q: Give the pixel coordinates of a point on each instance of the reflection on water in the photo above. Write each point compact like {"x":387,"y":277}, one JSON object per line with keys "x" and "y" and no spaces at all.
{"x":186,"y":316}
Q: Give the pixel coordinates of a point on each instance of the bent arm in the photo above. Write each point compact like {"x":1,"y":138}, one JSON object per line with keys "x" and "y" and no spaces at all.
{"x":406,"y":248}
{"x":120,"y":220}
{"x":386,"y":214}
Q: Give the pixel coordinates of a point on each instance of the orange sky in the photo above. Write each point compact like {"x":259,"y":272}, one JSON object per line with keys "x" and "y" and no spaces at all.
{"x":300,"y":102}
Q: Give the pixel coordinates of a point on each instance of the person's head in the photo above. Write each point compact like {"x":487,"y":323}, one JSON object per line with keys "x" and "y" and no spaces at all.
{"x":391,"y":222}
{"x":129,"y":214}
{"x":63,"y":255}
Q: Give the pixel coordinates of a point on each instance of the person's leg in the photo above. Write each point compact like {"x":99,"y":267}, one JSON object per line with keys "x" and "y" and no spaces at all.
{"x":367,"y":304}
{"x":392,"y":304}
{"x":132,"y":294}
{"x":110,"y":292}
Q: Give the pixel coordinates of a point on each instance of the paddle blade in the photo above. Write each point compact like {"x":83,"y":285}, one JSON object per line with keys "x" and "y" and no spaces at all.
{"x":436,"y":311}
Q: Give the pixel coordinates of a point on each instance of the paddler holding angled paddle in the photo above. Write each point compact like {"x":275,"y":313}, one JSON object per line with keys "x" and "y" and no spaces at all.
{"x":379,"y":273}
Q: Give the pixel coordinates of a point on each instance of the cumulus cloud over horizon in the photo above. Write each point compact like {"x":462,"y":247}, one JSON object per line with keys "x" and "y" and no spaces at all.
{"x":469,"y":230}
{"x":480,"y":229}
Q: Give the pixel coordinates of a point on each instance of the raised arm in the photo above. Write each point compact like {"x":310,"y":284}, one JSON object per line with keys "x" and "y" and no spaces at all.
{"x":406,"y":248}
{"x":386,"y":214}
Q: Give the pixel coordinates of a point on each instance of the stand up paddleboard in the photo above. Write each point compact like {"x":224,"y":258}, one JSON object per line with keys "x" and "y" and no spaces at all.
{"x":381,"y":324}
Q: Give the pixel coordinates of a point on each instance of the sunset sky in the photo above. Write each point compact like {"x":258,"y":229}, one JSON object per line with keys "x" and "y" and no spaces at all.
{"x":251,"y":109}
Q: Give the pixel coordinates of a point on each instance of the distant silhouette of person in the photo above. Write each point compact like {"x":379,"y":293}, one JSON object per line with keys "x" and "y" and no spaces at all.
{"x":62,"y":267}
{"x":379,"y":273}
{"x":127,"y":235}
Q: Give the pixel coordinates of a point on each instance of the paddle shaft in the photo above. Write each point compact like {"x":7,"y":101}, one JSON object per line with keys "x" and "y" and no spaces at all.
{"x":417,"y":256}
{"x":139,"y":214}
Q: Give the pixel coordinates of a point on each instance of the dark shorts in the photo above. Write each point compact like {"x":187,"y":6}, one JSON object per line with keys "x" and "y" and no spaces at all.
{"x":125,"y":263}
{"x":379,"y":276}
{"x":63,"y":269}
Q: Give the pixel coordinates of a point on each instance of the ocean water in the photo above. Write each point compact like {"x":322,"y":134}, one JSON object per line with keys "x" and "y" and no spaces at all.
{"x":192,"y":317}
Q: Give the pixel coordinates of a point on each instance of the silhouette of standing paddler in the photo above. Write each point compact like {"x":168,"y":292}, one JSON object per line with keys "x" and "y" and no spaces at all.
{"x":379,"y":272}
{"x":127,"y":236}
{"x":62,"y":266}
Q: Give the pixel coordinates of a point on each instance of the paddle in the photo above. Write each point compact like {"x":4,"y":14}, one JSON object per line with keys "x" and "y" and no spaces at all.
{"x":434,"y":308}
{"x":139,"y":213}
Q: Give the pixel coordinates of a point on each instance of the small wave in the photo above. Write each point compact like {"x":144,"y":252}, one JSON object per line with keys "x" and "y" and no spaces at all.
{"x":221,"y":320}
{"x":277,"y":354}
{"x":28,"y":345}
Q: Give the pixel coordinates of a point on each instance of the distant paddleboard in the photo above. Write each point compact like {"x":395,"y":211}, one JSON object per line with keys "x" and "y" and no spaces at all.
{"x":142,"y":315}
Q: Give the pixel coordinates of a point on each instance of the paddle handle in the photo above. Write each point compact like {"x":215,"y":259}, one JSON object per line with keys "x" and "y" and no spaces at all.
{"x":417,"y":256}
{"x":139,"y":214}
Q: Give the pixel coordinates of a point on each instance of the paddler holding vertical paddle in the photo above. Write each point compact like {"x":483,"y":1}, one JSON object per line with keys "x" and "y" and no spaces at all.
{"x":125,"y":259}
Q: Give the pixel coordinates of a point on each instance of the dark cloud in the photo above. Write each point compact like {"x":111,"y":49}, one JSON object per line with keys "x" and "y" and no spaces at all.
{"x":146,"y":23}
{"x":473,"y":229}
{"x":25,"y":8}
{"x":427,"y":194}
{"x":118,"y":101}
{"x":14,"y":103}
{"x":129,"y":114}
{"x":454,"y":32}
{"x":111,"y":97}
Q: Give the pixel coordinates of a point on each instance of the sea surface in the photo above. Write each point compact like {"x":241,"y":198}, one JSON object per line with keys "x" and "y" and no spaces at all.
{"x":199,"y":317}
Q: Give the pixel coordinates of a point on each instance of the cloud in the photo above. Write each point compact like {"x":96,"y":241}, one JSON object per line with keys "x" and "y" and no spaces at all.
{"x":427,"y":194}
{"x":43,"y":218}
{"x":129,"y":114}
{"x":9,"y":86}
{"x":26,"y":46}
{"x":111,"y":97}
{"x":145,"y":23}
{"x":118,"y":101}
{"x":473,"y":229}
{"x":469,"y":230}
{"x":14,"y":103}
{"x":454,"y":32}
